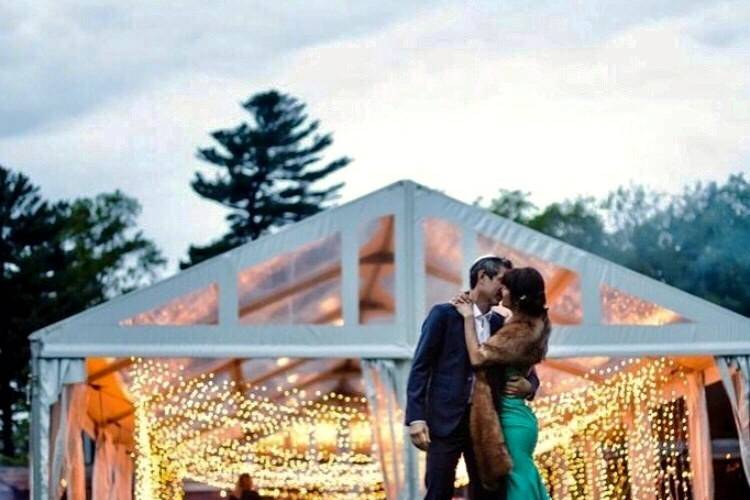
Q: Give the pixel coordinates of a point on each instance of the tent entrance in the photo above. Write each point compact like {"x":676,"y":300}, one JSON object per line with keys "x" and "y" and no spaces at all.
{"x":301,"y":427}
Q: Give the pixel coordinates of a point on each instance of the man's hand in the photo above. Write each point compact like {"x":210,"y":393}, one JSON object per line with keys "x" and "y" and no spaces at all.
{"x":518,"y":386}
{"x":420,"y":435}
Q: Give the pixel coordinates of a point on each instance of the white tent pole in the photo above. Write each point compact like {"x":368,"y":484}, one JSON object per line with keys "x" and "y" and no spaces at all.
{"x":228,"y":299}
{"x":403,"y":249}
{"x":591,"y":296}
{"x":408,"y":252}
{"x":468,"y":254}
{"x":411,"y":460}
{"x":418,"y":272}
{"x":37,"y":414}
{"x":413,"y":255}
{"x":350,"y":275}
{"x":410,"y":279}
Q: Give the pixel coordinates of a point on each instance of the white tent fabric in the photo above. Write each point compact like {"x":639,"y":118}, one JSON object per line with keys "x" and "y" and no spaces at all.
{"x":386,"y":395}
{"x":735,"y":374}
{"x":50,"y":376}
{"x":380,"y":383}
{"x":102,"y":480}
{"x":113,"y":470}
{"x":68,"y":462}
{"x":355,"y":281}
{"x":122,"y":485}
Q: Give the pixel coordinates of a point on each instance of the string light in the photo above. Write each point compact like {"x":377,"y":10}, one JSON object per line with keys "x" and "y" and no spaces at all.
{"x":208,"y":431}
{"x":620,"y":308}
{"x":625,"y":437}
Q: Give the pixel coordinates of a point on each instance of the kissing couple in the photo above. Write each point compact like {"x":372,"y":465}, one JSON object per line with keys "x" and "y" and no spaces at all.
{"x":471,"y":375}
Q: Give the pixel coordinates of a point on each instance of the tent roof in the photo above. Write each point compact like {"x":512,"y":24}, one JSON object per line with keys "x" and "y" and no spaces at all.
{"x":355,"y":281}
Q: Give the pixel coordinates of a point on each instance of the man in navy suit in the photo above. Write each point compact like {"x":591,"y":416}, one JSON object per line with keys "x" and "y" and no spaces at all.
{"x":441,"y":383}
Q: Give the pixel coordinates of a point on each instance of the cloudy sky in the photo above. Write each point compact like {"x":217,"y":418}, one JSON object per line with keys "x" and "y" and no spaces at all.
{"x":559,"y":98}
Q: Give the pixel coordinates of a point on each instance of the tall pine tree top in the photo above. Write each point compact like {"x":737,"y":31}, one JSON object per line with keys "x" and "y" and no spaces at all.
{"x":267,"y":171}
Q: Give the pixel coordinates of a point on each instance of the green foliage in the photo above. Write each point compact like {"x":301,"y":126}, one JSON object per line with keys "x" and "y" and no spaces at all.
{"x":268,"y":171}
{"x":57,"y":260}
{"x":514,"y":205}
{"x":576,"y":222}
{"x":699,"y":242}
{"x":696,"y":240}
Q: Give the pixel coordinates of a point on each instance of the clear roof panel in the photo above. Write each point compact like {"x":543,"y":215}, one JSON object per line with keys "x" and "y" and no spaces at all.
{"x":303,"y":286}
{"x":195,"y":308}
{"x":377,"y":271}
{"x":443,"y":260}
{"x":563,"y":285}
{"x":620,"y":308}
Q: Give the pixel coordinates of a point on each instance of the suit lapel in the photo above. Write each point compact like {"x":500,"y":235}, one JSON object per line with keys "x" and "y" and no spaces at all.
{"x":496,"y":322}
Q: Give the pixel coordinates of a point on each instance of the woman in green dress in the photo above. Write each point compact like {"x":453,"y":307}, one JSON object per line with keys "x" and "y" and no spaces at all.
{"x":507,"y":449}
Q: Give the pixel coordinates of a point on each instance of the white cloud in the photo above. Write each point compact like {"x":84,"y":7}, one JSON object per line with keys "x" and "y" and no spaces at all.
{"x":62,"y":58}
{"x":467,"y":99}
{"x":649,"y":103}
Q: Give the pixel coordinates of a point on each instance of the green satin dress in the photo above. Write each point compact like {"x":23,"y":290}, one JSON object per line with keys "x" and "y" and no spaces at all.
{"x":521,"y":430}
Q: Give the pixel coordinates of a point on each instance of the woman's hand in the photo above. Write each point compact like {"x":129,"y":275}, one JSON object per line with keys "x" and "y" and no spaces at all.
{"x":464,"y":305}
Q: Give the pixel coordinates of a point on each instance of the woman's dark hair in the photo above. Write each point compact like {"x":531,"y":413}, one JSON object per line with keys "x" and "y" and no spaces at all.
{"x":526,"y":286}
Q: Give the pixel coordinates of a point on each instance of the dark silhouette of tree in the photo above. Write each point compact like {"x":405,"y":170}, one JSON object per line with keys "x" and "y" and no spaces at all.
{"x":57,"y":260}
{"x":268,"y":172}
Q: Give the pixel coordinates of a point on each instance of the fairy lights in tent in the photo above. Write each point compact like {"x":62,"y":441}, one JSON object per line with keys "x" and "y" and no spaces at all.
{"x":210,"y":431}
{"x":620,"y":308}
{"x":625,"y":437}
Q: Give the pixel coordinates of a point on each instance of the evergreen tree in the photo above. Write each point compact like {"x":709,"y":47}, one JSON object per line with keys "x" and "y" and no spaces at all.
{"x":267,"y":171}
{"x":57,"y":260}
{"x":26,"y":253}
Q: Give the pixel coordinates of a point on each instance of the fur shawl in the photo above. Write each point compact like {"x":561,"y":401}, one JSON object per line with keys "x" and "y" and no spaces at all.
{"x":522,"y":344}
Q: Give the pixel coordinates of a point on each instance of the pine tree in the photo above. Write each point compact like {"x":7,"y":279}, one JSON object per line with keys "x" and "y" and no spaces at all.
{"x":57,"y":260}
{"x":25,"y":254}
{"x":268,"y":171}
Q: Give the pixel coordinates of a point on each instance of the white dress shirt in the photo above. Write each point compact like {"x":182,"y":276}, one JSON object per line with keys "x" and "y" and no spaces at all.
{"x":482,"y":326}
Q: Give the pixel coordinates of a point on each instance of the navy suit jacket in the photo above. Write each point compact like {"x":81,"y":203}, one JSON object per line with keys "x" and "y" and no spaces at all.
{"x":441,"y":376}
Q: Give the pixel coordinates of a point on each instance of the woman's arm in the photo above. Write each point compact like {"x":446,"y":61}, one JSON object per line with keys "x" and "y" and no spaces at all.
{"x":472,"y":342}
{"x":477,"y":356}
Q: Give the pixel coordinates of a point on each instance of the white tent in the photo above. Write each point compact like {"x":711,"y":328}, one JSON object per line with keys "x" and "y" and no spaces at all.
{"x":355,"y":282}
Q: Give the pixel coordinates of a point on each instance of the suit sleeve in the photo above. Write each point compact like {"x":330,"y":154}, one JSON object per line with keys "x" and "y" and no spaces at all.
{"x":535,"y":383}
{"x":433,"y":332}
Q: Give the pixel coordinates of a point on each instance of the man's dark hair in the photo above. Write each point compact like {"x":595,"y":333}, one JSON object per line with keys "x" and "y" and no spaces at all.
{"x":491,"y":267}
